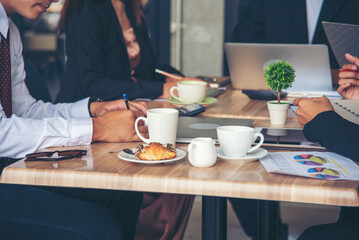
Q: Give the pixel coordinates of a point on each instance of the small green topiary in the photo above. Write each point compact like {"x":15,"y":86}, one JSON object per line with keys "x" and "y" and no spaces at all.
{"x":279,"y":76}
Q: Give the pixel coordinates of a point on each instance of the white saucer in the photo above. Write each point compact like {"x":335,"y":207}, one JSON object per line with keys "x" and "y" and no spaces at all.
{"x":132,"y":158}
{"x":250,"y":157}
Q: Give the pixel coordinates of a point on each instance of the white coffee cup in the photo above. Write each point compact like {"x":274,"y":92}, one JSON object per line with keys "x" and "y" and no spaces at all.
{"x":236,"y":141}
{"x":202,"y":152}
{"x":162,"y":125}
{"x":190,"y":91}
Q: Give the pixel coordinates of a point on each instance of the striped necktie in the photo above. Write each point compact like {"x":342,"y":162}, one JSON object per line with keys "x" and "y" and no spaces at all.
{"x":5,"y":76}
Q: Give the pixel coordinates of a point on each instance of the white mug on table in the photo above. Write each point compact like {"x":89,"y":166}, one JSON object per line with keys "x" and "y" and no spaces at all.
{"x":190,"y":91}
{"x":236,"y":141}
{"x":162,"y":125}
{"x":202,"y":152}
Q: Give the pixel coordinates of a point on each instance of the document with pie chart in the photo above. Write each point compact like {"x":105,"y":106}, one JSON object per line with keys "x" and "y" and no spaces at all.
{"x":320,"y":165}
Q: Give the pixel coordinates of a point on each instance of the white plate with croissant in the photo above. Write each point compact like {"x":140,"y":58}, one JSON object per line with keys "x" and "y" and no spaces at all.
{"x":153,"y":153}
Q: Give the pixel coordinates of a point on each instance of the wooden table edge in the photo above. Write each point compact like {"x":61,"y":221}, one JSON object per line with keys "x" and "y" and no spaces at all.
{"x":117,"y":181}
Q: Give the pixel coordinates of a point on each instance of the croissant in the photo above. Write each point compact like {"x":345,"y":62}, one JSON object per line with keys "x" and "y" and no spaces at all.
{"x":155,"y":151}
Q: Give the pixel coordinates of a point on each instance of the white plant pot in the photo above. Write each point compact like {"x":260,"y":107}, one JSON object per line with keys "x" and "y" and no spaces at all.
{"x":278,"y":112}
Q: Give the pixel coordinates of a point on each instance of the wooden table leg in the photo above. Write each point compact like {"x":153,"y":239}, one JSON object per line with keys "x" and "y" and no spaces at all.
{"x":214,"y":218}
{"x":268,"y":220}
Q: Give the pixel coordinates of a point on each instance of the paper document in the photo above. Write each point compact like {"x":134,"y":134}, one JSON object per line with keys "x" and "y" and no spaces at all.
{"x":321,"y":165}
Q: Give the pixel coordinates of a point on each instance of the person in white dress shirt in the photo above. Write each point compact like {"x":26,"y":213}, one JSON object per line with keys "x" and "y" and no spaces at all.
{"x":28,"y":212}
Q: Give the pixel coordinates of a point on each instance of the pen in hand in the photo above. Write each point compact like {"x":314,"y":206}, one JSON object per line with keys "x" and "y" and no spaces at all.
{"x":168,"y":74}
{"x":348,"y":70}
{"x":126,"y":101}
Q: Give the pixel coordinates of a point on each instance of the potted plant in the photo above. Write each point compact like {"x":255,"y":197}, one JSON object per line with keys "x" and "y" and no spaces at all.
{"x":279,"y":76}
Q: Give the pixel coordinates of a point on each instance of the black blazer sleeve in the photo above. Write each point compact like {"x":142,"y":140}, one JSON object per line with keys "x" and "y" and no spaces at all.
{"x":334,"y":133}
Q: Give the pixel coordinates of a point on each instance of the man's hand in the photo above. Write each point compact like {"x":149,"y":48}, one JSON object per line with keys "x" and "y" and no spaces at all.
{"x":117,"y":126}
{"x":309,"y":108}
{"x":349,"y":79}
{"x":100,"y":108}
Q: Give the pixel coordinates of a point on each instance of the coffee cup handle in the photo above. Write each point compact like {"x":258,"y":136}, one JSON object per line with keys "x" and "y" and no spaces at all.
{"x":258,"y":144}
{"x":191,"y":157}
{"x":138,"y":132}
{"x":173,"y":95}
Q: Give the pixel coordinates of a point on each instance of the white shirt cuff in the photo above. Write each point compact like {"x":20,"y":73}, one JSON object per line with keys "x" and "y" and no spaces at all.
{"x":81,"y":131}
{"x":79,"y":109}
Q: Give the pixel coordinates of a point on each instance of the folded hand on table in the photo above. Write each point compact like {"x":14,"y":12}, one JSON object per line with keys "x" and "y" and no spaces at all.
{"x":309,"y":108}
{"x":118,"y":126}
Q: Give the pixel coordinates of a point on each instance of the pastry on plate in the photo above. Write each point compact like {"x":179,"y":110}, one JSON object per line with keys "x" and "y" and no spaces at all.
{"x":155,"y":151}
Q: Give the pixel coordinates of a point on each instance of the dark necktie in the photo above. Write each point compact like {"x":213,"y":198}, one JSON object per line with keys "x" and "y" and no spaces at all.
{"x":5,"y":76}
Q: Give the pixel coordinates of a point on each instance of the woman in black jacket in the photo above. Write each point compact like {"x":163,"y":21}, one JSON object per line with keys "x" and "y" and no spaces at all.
{"x":109,"y":53}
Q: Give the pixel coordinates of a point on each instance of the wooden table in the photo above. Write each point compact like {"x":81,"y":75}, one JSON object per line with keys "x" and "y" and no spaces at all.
{"x":102,"y":169}
{"x":235,"y":104}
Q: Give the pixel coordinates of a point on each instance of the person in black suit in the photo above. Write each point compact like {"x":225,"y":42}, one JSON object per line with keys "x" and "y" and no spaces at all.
{"x":322,"y":124}
{"x":282,"y":21}
{"x":109,"y":53}
{"x":99,"y":54}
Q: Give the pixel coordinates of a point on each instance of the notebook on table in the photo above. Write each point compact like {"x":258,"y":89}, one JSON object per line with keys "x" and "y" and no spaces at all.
{"x":193,"y":127}
{"x":247,"y":62}
{"x":348,"y":109}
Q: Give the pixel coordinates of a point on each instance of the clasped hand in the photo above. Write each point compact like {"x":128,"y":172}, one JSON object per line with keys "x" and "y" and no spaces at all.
{"x":113,"y":122}
{"x":309,"y":108}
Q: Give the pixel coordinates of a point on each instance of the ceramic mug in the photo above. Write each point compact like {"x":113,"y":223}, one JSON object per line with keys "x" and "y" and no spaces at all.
{"x":190,"y":91}
{"x":236,"y":141}
{"x":202,"y":152}
{"x":162,"y":125}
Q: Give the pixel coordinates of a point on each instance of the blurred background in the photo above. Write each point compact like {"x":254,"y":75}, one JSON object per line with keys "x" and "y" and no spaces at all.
{"x":187,"y":34}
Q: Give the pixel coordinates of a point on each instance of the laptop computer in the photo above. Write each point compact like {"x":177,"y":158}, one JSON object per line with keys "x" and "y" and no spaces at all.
{"x":192,"y":127}
{"x":247,"y":62}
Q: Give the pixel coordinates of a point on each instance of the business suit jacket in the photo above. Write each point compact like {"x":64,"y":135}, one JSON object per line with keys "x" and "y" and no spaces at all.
{"x":97,"y":59}
{"x":335,"y":133}
{"x":283,"y":21}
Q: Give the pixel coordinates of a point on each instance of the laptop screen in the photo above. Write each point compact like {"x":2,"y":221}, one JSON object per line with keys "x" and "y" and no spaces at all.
{"x":247,"y":63}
